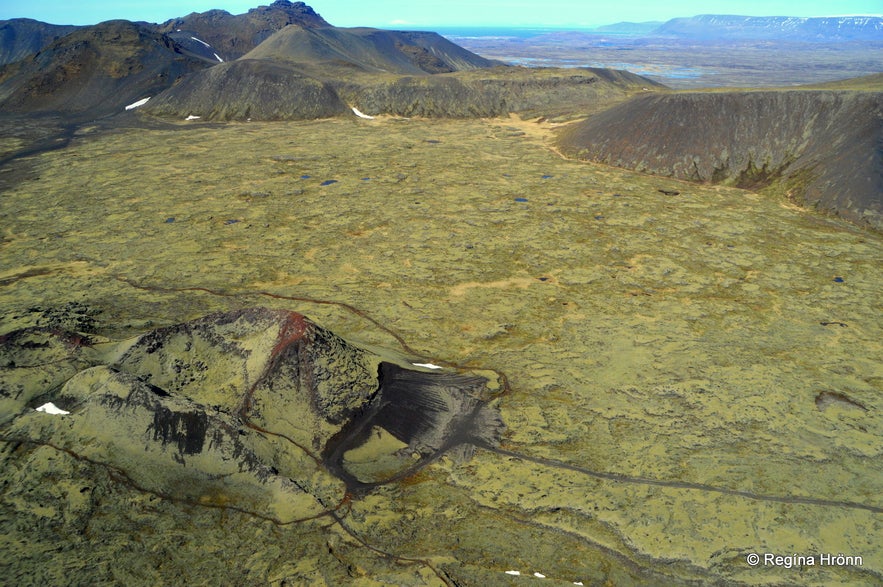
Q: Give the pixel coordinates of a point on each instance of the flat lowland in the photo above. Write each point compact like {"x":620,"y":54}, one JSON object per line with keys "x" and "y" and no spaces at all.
{"x":690,"y":64}
{"x":694,"y":370}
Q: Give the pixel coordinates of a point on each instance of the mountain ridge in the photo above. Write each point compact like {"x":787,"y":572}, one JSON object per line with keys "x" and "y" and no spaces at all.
{"x":21,"y":37}
{"x":819,"y":148}
{"x":95,"y":70}
{"x":235,"y":35}
{"x":99,"y":69}
{"x":733,"y":27}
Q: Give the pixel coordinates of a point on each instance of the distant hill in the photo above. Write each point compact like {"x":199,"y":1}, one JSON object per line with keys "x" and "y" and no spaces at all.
{"x":629,"y":28}
{"x":730,"y":27}
{"x":248,"y":89}
{"x":368,"y":49}
{"x":821,"y":148}
{"x":21,"y":37}
{"x":273,"y":89}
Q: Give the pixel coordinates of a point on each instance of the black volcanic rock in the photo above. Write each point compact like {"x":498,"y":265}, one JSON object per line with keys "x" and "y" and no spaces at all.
{"x":820,"y":148}
{"x":22,"y":37}
{"x":232,"y":36}
{"x":95,"y":70}
{"x":294,"y":13}
{"x":256,"y":409}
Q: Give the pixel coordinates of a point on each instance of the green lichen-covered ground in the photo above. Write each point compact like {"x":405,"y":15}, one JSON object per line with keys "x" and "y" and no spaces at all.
{"x":694,"y":377}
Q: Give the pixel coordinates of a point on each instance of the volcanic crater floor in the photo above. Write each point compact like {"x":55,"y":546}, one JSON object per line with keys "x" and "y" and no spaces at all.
{"x":693,"y":371}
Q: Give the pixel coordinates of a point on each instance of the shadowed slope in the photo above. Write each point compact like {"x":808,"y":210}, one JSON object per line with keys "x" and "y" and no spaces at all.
{"x":95,"y":70}
{"x":820,"y":148}
{"x":21,"y":37}
{"x":245,"y":88}
{"x":369,"y":50}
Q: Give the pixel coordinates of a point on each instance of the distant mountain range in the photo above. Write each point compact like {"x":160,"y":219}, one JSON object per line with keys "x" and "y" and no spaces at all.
{"x":282,"y":61}
{"x":99,"y":69}
{"x":740,"y":28}
{"x":729,"y":27}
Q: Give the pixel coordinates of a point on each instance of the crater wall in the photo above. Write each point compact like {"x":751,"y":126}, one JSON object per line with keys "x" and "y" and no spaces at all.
{"x":820,"y":148}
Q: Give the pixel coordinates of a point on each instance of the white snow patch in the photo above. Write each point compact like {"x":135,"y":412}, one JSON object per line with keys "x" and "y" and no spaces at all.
{"x":140,"y":102}
{"x":201,"y":41}
{"x":361,"y":114}
{"x":218,"y":57}
{"x":191,"y":117}
{"x":513,"y":573}
{"x":427,"y":365}
{"x":51,"y":408}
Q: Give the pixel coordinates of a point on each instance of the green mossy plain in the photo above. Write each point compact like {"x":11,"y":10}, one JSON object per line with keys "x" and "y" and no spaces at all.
{"x":682,"y":338}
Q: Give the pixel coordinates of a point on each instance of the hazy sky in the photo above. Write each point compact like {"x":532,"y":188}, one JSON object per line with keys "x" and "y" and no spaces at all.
{"x":423,"y":13}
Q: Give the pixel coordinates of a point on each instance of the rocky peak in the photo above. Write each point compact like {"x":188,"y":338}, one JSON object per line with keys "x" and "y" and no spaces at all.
{"x":231,"y":36}
{"x":297,"y":12}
